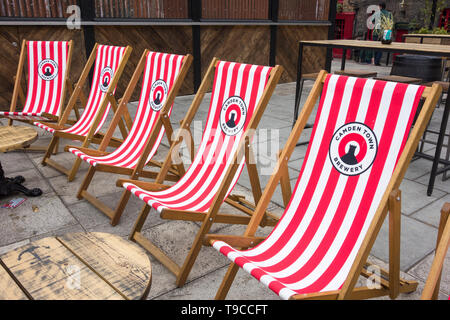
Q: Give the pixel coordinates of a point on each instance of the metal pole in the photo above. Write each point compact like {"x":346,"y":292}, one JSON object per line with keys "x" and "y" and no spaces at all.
{"x":196,"y":14}
{"x":433,"y":14}
{"x":88,"y":14}
{"x":331,"y":33}
{"x":273,"y":15}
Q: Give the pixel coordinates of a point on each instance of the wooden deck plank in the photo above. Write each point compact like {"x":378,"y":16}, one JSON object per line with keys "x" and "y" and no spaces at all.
{"x":45,"y":269}
{"x":121,"y":263}
{"x":13,"y":292}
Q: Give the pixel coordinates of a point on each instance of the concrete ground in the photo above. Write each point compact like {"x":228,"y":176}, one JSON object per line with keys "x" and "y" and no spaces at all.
{"x":58,"y":211}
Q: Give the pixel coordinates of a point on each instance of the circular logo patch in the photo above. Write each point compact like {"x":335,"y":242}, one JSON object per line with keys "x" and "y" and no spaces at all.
{"x":233,"y":115}
{"x":158,"y":94}
{"x":353,"y":148}
{"x":105,"y":78}
{"x":48,"y":69}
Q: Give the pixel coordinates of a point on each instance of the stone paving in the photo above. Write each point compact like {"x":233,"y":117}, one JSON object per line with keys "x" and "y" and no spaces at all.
{"x":58,"y":211}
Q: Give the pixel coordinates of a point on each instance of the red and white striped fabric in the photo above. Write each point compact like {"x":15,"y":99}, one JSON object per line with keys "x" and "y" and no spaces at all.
{"x":236,"y":92}
{"x":360,"y":131}
{"x":106,"y":63}
{"x":160,"y":72}
{"x":47,"y":64}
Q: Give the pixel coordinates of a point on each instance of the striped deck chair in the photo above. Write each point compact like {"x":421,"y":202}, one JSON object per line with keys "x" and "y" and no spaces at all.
{"x":431,"y":289}
{"x":109,"y":64}
{"x":48,"y":69}
{"x":239,"y":97}
{"x":163,"y":75}
{"x":357,"y":156}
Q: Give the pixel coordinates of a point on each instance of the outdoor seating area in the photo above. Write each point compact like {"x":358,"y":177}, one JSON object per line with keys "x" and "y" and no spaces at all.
{"x":134,"y":170}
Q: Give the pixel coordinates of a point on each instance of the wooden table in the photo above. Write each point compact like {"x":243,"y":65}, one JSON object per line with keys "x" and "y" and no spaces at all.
{"x":394,"y":47}
{"x":427,"y":38}
{"x":15,"y":137}
{"x":12,"y":138}
{"x":76,"y":266}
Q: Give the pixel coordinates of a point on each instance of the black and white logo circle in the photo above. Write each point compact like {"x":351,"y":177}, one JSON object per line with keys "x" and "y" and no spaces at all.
{"x":233,"y":115}
{"x":47,"y":69}
{"x":353,"y":148}
{"x":158,"y":94}
{"x":105,"y":78}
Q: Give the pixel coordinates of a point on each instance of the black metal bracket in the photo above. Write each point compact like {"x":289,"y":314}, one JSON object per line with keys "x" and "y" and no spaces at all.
{"x":9,"y":186}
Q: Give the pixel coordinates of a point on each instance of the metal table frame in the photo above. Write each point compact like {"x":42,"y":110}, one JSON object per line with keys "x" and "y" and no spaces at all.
{"x":395,"y":47}
{"x":9,"y":186}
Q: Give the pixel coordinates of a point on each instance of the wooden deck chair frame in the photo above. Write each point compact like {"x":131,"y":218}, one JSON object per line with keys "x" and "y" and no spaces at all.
{"x":91,"y":137}
{"x":213,"y":215}
{"x":138,"y":171}
{"x":431,"y":289}
{"x":19,"y":95}
{"x":390,"y":281}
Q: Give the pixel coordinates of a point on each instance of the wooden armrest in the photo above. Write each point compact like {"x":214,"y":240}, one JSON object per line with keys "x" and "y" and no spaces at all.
{"x":446,"y":208}
{"x":148,"y":186}
{"x":88,"y":151}
{"x":232,"y":240}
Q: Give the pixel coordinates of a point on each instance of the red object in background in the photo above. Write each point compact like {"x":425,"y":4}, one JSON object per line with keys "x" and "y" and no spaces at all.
{"x":343,"y":30}
{"x":399,"y":38}
{"x":443,"y":19}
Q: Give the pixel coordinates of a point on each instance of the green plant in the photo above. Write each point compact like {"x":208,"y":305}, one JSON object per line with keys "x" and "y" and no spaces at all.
{"x":439,"y":31}
{"x":427,"y":11}
{"x":423,"y":30}
{"x":387,"y":22}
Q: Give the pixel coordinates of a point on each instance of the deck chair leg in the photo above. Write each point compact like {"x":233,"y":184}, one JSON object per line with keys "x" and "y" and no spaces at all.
{"x":121,"y":207}
{"x":86,"y":182}
{"x":193,"y":252}
{"x":394,"y":243}
{"x":73,"y":171}
{"x":226,"y":282}
{"x":50,"y":149}
{"x":431,"y":289}
{"x":55,"y":150}
{"x":140,"y":221}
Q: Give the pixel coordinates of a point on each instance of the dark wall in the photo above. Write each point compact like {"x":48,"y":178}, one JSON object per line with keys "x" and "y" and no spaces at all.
{"x":241,"y":43}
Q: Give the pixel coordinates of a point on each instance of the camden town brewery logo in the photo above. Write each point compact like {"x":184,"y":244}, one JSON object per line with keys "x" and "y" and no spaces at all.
{"x":353,"y":148}
{"x":158,"y":94}
{"x":232,"y":115}
{"x":105,"y":78}
{"x":47,"y":69}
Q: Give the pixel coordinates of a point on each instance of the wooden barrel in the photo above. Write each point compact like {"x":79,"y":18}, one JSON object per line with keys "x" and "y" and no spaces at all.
{"x":417,"y":66}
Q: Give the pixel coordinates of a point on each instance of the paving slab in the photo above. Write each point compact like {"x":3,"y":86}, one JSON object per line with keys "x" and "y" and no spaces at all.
{"x":34,"y":217}
{"x":94,"y":220}
{"x":422,"y":269}
{"x":431,"y":213}
{"x":175,"y":238}
{"x":416,"y":196}
{"x":417,"y":241}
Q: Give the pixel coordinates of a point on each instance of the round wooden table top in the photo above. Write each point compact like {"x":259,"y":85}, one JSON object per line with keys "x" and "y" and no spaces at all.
{"x":76,"y":266}
{"x":15,"y":137}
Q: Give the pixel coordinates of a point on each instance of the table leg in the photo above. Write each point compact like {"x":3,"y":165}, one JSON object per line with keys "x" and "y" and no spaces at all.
{"x":439,"y":144}
{"x":298,"y":90}
{"x":329,"y":57}
{"x":298,"y":94}
{"x":344,"y":58}
{"x":10,"y":185}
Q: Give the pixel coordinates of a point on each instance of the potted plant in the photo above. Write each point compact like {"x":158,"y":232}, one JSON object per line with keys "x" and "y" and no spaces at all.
{"x":387,"y":25}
